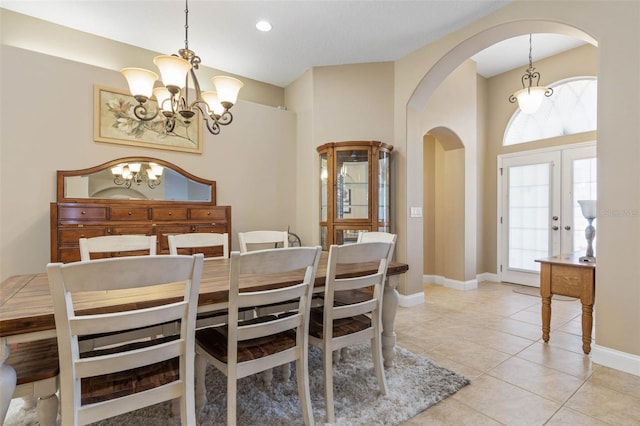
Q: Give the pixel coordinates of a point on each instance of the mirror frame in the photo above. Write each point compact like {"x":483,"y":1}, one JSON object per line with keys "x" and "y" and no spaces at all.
{"x":61,"y":174}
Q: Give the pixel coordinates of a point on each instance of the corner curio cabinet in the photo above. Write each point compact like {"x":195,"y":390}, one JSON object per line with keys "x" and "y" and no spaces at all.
{"x":354,"y":190}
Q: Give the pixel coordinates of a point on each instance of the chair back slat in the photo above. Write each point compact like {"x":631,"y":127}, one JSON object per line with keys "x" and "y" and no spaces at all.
{"x":262,"y":239}
{"x":116,"y":243}
{"x":199,"y":240}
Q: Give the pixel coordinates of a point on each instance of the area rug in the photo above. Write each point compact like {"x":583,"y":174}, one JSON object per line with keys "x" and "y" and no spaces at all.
{"x":414,"y":383}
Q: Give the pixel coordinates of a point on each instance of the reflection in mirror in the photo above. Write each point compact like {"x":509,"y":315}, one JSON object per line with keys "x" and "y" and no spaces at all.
{"x":136,"y":181}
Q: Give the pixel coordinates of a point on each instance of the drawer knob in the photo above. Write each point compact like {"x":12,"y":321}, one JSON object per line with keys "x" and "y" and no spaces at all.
{"x":130,"y":213}
{"x":83,"y":212}
{"x":208,"y":213}
{"x":170,"y":213}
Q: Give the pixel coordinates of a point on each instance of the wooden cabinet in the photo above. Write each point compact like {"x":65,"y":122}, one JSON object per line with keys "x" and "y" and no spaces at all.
{"x":74,"y":217}
{"x":354,"y":190}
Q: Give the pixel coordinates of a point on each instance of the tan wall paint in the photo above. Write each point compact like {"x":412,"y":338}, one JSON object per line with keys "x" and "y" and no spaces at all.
{"x":26,"y":32}
{"x":618,"y":38}
{"x":349,"y":102}
{"x":47,"y":119}
{"x":450,"y":117}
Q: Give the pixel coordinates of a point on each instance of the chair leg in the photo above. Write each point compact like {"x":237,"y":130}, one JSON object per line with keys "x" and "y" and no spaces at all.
{"x":200,"y":371}
{"x":232,"y":388}
{"x":327,"y":358}
{"x":376,"y":356}
{"x":47,"y":410}
{"x":303,"y":390}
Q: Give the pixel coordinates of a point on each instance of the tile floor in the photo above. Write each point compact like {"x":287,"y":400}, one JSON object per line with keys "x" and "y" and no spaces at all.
{"x":493,"y":336}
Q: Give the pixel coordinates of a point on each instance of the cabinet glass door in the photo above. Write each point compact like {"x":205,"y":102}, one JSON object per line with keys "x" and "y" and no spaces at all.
{"x":383,"y":192}
{"x":352,"y":184}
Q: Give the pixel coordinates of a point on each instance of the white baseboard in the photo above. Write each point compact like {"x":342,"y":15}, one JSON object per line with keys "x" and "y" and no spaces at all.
{"x":411,"y":300}
{"x":433,"y":279}
{"x":488,"y":276}
{"x":615,"y":359}
{"x":461,"y":285}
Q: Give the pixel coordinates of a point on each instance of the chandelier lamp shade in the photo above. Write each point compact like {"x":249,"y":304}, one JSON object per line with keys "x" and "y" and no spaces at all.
{"x":127,"y":174}
{"x":173,"y":96}
{"x":530,"y":97}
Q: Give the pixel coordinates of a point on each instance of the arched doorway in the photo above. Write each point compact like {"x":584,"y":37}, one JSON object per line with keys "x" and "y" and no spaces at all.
{"x":415,"y":128}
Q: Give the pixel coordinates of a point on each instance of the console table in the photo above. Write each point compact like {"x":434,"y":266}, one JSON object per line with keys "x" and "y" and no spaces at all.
{"x":566,"y":275}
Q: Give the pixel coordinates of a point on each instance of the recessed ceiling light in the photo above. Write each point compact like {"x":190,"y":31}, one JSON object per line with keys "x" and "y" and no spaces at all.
{"x":263,"y":26}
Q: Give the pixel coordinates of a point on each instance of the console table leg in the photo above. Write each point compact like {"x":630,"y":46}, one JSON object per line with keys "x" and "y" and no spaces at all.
{"x":546,"y":318}
{"x":587,"y":324}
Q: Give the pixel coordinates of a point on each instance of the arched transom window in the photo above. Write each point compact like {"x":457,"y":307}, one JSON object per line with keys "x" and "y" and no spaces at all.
{"x":571,"y":109}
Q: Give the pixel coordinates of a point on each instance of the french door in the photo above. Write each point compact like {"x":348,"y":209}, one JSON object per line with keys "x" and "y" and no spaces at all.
{"x":539,"y":214}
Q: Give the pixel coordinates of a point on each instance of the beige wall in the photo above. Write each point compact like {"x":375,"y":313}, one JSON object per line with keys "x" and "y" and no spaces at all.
{"x":47,"y":119}
{"x":618,"y":38}
{"x":338,"y":103}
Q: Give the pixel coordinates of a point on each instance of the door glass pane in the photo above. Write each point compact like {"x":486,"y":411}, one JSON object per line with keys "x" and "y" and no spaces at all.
{"x":346,"y":236}
{"x":584,"y":188}
{"x":352,"y":185}
{"x":529,"y":211}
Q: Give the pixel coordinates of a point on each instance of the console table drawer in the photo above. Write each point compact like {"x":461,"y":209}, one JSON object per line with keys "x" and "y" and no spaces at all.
{"x":82,"y":213}
{"x":169,"y":213}
{"x":123,"y":213}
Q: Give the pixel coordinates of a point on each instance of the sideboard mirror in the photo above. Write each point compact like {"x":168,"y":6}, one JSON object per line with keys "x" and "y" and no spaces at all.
{"x":134,"y":178}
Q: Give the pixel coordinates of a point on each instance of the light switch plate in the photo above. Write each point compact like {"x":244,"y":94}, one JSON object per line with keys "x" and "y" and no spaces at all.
{"x":416,"y":212}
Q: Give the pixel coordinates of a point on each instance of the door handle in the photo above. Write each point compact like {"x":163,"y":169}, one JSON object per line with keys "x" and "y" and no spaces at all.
{"x":568,"y":228}
{"x":555,"y":228}
{"x":555,"y":218}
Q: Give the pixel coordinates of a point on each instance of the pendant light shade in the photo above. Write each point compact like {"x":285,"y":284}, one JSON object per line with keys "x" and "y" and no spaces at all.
{"x":530,"y":97}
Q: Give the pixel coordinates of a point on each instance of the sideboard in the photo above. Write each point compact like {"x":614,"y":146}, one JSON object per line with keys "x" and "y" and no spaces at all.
{"x":95,"y":202}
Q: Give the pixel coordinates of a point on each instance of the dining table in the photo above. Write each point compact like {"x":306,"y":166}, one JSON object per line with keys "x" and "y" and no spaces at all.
{"x":26,"y":306}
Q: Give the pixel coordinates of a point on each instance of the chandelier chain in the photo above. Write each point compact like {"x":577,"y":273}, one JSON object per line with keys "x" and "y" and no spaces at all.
{"x":186,"y":25}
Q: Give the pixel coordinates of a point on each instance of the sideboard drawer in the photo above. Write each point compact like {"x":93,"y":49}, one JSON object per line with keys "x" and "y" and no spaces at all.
{"x":82,"y":213}
{"x":213,"y":215}
{"x":72,"y":235}
{"x":124,"y":213}
{"x":169,"y":213}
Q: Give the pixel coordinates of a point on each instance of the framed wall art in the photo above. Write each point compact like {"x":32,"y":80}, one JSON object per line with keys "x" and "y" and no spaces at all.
{"x":114,"y":122}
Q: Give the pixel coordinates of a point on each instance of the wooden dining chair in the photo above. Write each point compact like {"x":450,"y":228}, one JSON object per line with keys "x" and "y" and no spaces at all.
{"x":338,"y":325}
{"x":242,"y":348}
{"x":116,"y":244}
{"x":108,"y":382}
{"x":199,"y":242}
{"x":253,"y":240}
{"x":352,"y":296}
{"x":36,"y":366}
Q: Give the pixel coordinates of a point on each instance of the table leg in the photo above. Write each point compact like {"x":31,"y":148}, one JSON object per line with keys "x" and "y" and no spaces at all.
{"x":7,"y":379}
{"x":389,"y":310}
{"x":587,"y":324}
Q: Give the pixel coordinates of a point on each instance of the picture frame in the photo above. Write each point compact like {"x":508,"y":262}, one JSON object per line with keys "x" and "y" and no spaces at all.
{"x":114,"y":122}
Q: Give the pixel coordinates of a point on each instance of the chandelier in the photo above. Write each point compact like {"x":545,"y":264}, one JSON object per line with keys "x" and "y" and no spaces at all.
{"x":173,"y":96}
{"x":129,"y":173}
{"x":530,"y":96}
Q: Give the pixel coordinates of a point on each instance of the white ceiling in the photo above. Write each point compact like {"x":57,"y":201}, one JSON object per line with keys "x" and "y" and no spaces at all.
{"x":306,"y":33}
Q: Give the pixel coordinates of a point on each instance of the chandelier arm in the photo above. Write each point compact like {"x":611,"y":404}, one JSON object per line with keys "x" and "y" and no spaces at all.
{"x":141,"y":112}
{"x":226,"y":118}
{"x":212,"y":125}
{"x":548,"y":92}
